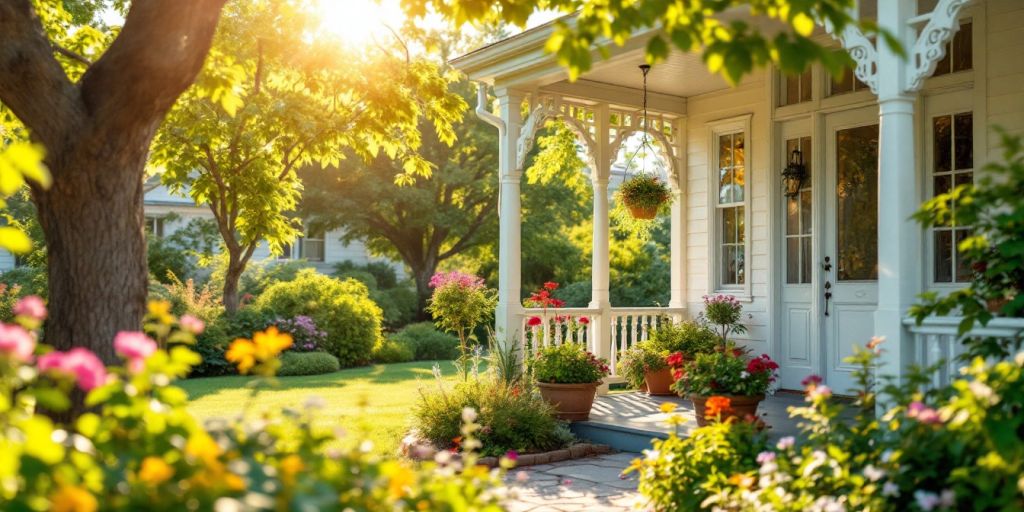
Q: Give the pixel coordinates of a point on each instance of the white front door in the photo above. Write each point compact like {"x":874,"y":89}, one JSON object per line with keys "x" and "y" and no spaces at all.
{"x":849,"y":241}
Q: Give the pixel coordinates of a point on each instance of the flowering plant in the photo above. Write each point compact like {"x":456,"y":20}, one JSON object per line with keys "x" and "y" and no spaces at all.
{"x":568,"y":363}
{"x":137,"y":445}
{"x":644,"y":191}
{"x":460,"y":302}
{"x":640,"y":359}
{"x":724,"y":372}
{"x":306,"y":335}
{"x":724,"y":311}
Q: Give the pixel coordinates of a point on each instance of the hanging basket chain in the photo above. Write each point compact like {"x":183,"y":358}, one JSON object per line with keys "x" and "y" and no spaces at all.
{"x":645,"y":141}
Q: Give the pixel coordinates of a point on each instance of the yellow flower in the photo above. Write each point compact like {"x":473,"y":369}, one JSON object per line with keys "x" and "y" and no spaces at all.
{"x":668,"y":407}
{"x":401,"y":478}
{"x":155,"y":471}
{"x":290,"y":466}
{"x":160,"y":310}
{"x":203,"y":447}
{"x":73,"y":499}
{"x":264,"y":347}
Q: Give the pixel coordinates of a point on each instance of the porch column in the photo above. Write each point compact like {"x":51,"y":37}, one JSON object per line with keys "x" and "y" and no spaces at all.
{"x":899,"y":237}
{"x":600,"y":295}
{"x":677,"y":272}
{"x":508,"y":314}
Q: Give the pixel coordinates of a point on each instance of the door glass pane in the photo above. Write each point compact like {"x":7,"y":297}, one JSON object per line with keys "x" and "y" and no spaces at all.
{"x":805,"y":261}
{"x":792,"y":216}
{"x":943,"y":137}
{"x":943,"y":256}
{"x":963,"y":271}
{"x":964,"y":130}
{"x":805,"y":148}
{"x":857,"y":203}
{"x":806,"y":221}
{"x":793,"y":260}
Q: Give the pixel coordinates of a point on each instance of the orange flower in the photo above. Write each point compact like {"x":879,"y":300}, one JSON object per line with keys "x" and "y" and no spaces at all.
{"x":264,"y":347}
{"x":73,"y":499}
{"x":155,"y":471}
{"x":290,"y":466}
{"x":717,"y":405}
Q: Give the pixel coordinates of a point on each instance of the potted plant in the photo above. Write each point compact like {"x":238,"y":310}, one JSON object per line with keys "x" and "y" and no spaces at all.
{"x":643,"y":195}
{"x":643,"y":366}
{"x":729,"y":373}
{"x":568,"y":377}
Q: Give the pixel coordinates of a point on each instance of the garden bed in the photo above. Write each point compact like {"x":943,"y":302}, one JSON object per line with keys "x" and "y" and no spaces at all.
{"x":414,"y":448}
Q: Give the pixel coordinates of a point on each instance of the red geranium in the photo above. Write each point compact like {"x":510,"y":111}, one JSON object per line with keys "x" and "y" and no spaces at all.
{"x":551,"y":286}
{"x":584,"y":320}
{"x":675,"y":359}
{"x":534,"y":321}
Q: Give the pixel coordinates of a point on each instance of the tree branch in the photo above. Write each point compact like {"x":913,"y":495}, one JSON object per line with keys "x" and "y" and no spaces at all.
{"x":70,"y":54}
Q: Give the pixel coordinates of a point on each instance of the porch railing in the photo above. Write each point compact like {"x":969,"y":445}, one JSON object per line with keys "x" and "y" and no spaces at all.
{"x":604,"y":332}
{"x":936,"y":340}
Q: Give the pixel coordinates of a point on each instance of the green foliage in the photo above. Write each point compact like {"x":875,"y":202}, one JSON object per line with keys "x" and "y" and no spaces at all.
{"x":645,"y":191}
{"x":219,"y":334}
{"x":427,"y":343}
{"x":994,"y":209}
{"x":392,"y":350}
{"x":166,"y":259}
{"x":307,"y":363}
{"x":726,"y":372}
{"x":512,"y":418}
{"x":30,"y":280}
{"x":460,"y":302}
{"x":639,"y":359}
{"x":397,"y":300}
{"x":342,"y":308}
{"x":187,"y":297}
{"x":689,"y":337}
{"x":138,"y":447}
{"x":725,"y":312}
{"x":568,"y":363}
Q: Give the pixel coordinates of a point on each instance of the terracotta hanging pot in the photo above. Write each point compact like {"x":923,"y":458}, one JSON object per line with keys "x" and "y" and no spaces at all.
{"x":740,"y":406}
{"x":659,"y":382}
{"x":572,"y":402}
{"x":642,"y":212}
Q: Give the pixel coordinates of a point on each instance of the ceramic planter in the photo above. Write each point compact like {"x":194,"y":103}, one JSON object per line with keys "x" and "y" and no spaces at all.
{"x":643,"y":213}
{"x":659,"y":382}
{"x":572,"y":402}
{"x":739,"y":406}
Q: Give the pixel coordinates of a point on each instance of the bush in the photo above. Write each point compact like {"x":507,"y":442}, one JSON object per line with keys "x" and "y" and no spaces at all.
{"x":306,"y":336}
{"x":138,"y":447}
{"x":186,"y":298}
{"x":342,"y":308}
{"x":398,"y":304}
{"x":307,"y":363}
{"x":390,"y":350}
{"x":689,"y":337}
{"x":459,"y":303}
{"x":512,"y":418}
{"x":31,"y":280}
{"x":427,"y":343}
{"x":214,"y":341}
{"x":568,"y":363}
{"x":725,"y":372}
{"x":635,"y":362}
{"x":167,"y":260}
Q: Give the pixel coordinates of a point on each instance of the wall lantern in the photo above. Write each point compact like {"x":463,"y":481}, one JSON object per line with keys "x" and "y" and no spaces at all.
{"x":794,"y":174}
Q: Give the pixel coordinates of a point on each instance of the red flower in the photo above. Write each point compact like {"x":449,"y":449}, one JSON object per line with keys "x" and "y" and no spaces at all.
{"x":561,"y":318}
{"x":737,"y":352}
{"x":551,"y":285}
{"x":761,"y":364}
{"x":584,"y":320}
{"x":674,"y":359}
{"x":677,"y":374}
{"x":716,"y":405}
{"x":811,"y":380}
{"x":534,"y":321}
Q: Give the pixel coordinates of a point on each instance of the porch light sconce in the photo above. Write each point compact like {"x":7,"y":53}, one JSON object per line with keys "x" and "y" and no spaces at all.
{"x":794,"y":174}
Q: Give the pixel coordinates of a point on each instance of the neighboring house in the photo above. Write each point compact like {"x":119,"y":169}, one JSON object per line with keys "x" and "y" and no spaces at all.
{"x":166,"y":213}
{"x":821,"y":264}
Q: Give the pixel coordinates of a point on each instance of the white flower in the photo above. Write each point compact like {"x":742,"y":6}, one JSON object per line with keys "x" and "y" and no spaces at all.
{"x":982,"y":391}
{"x":927,"y":500}
{"x":786,"y":443}
{"x":872,"y":473}
{"x":468,"y":415}
{"x":890,"y":490}
{"x":744,"y":374}
{"x":947,"y":498}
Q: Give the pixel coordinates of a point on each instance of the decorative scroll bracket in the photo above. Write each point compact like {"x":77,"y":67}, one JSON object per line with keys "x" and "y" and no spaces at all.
{"x":930,"y":46}
{"x":544,"y":111}
{"x":863,"y":52}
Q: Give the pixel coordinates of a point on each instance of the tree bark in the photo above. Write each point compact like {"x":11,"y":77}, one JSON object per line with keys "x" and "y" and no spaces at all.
{"x":231,"y":278}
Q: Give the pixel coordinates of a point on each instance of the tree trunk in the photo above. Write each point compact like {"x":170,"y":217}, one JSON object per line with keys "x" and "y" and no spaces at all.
{"x":421,"y":274}
{"x":92,"y":220}
{"x":231,"y":278}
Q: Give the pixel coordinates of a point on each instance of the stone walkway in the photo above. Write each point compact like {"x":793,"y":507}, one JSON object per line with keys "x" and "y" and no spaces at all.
{"x":593,"y":484}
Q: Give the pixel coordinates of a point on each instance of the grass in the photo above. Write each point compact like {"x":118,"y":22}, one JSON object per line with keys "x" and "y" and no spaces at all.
{"x":373,"y":402}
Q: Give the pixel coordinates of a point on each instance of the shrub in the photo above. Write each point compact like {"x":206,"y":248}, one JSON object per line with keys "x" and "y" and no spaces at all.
{"x":9,"y":296}
{"x":214,"y":341}
{"x":138,"y":447}
{"x":398,"y":304}
{"x":342,"y":308}
{"x":689,"y":337}
{"x":568,"y":363}
{"x":635,"y":362}
{"x":307,"y":363}
{"x":306,"y":336}
{"x":428,"y":343}
{"x":512,"y":418}
{"x":390,"y":350}
{"x":186,"y":298}
{"x":167,"y":259}
{"x":724,"y":311}
{"x":31,"y":280}
{"x":459,"y":303}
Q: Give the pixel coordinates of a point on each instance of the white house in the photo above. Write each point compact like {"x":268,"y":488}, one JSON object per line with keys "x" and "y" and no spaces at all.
{"x":167,"y":213}
{"x":825,"y":267}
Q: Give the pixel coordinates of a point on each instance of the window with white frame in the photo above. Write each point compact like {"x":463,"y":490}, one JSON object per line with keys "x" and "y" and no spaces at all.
{"x":794,"y":89}
{"x":155,"y":226}
{"x":730,"y":209}
{"x":313,"y":245}
{"x":952,"y":166}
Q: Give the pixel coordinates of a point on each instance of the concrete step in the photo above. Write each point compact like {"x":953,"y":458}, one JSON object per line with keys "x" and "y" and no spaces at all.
{"x":619,"y":437}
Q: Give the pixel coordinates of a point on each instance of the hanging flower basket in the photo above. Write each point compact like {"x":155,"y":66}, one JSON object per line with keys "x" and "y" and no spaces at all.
{"x":644,"y":195}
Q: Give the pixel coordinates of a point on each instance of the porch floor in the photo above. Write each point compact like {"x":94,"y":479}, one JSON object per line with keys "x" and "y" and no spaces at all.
{"x":628,"y":421}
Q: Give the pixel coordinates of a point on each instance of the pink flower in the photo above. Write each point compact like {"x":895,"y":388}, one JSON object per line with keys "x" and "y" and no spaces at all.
{"x":80,"y":363}
{"x":584,"y":320}
{"x":135,"y":347}
{"x":511,"y":455}
{"x":765,"y":457}
{"x":17,"y":342}
{"x":534,"y":321}
{"x":31,"y":306}
{"x":923,"y":413}
{"x":811,"y":380}
{"x":821,"y":391}
{"x":786,"y":443}
{"x":195,"y":325}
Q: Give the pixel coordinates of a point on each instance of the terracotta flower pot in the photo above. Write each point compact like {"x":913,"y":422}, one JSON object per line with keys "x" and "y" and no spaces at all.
{"x":572,"y":402}
{"x":659,"y":382}
{"x":642,"y":212}
{"x":739,"y":407}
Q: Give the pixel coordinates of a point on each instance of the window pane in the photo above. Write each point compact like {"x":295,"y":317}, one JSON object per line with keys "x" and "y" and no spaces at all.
{"x":740,"y":265}
{"x":725,"y":151}
{"x":738,"y":182}
{"x":963,"y":271}
{"x":793,"y":260}
{"x":805,"y":148}
{"x":943,"y":184}
{"x":728,"y":265}
{"x":943,"y":66}
{"x":963,"y":128}
{"x":738,"y":158}
{"x":857,"y":203}
{"x":964,"y":178}
{"x":806,"y":219}
{"x":942,"y":135}
{"x":805,"y":250}
{"x":792,"y":216}
{"x":729,"y":225}
{"x":791,"y":90}
{"x":844,"y":84}
{"x":962,"y":49}
{"x":805,"y":86}
{"x":725,"y":185}
{"x":943,"y":256}
{"x":741,"y":220}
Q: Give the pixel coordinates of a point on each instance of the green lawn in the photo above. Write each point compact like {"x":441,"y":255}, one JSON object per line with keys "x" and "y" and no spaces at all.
{"x":372,"y":402}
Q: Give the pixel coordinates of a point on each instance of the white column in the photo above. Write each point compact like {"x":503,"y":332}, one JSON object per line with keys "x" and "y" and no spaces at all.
{"x":507,"y":316}
{"x":899,"y":237}
{"x":600,"y":272}
{"x":677,"y":243}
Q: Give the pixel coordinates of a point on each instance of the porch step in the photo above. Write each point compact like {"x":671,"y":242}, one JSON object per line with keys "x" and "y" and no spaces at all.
{"x":619,"y":437}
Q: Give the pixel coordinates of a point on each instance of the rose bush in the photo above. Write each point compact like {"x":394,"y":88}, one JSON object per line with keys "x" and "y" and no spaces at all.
{"x":138,"y":448}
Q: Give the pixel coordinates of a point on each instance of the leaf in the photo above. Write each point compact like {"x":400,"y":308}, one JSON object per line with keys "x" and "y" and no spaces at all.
{"x":14,"y":240}
{"x":803,"y":24}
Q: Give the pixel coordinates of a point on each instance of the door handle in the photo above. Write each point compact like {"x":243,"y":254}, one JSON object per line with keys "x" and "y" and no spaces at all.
{"x":828,"y":295}
{"x":827,"y":266}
